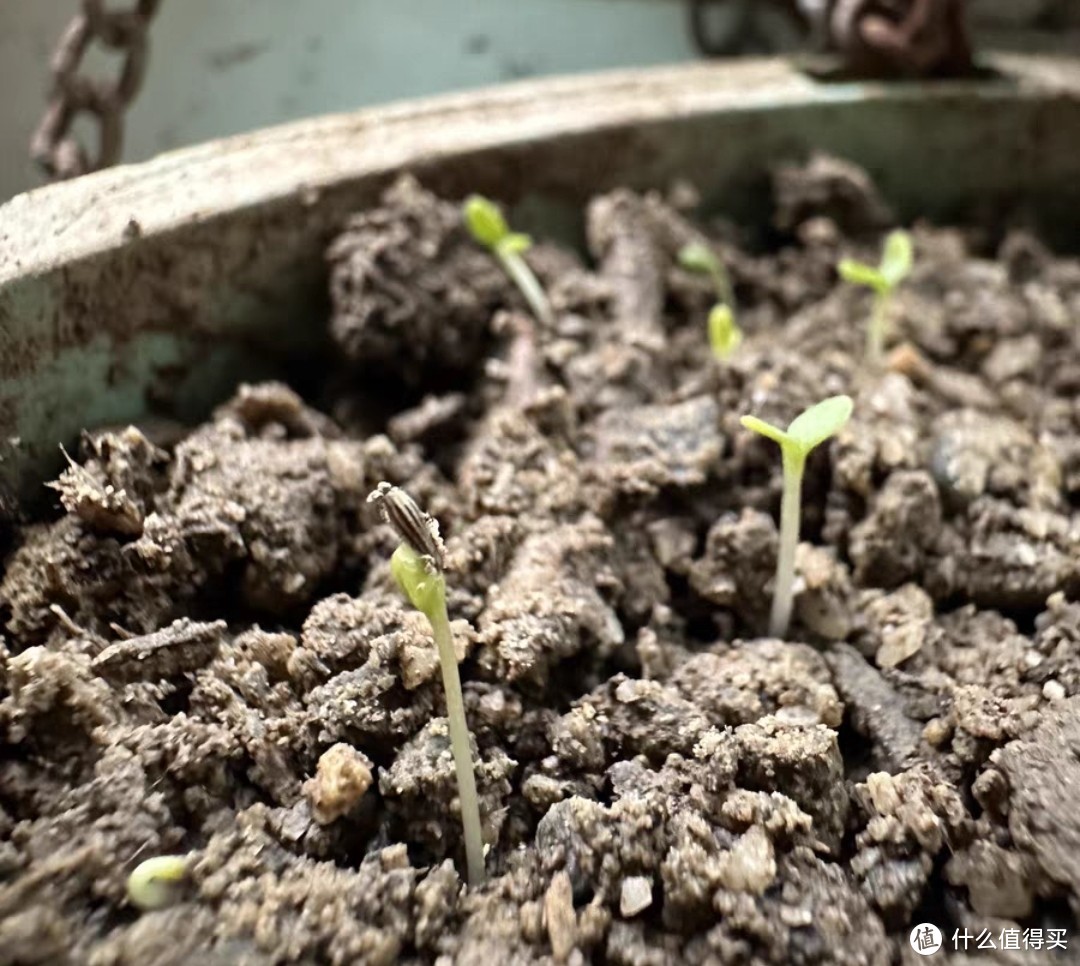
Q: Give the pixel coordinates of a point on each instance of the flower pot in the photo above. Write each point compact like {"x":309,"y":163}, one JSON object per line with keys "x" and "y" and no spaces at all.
{"x":207,"y":660}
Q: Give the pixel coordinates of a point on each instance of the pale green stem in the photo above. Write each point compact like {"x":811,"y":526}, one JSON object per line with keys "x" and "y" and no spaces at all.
{"x":459,"y":744}
{"x":790,"y":507}
{"x":875,"y":332}
{"x":722,"y":284}
{"x":533,"y":292}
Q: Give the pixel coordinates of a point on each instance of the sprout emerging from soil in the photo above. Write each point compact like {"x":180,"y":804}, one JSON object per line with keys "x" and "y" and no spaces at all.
{"x":896,"y":261}
{"x":417,"y":566}
{"x":156,"y":883}
{"x":806,"y":432}
{"x":725,"y":336}
{"x":700,"y":258}
{"x":486,"y":223}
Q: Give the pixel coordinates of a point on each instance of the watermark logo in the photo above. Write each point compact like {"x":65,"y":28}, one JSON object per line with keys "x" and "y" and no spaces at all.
{"x":925,"y":939}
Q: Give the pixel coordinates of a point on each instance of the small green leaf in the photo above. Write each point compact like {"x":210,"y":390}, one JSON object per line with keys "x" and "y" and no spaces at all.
{"x":698,"y":257}
{"x":419,"y":580}
{"x":859,"y":273}
{"x":724,"y":335}
{"x":768,"y":430}
{"x":515,"y":243}
{"x":484,"y":220}
{"x":897,"y":258}
{"x":820,"y":422}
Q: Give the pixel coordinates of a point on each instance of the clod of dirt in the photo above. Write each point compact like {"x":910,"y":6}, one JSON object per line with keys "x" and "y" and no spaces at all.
{"x":514,"y":469}
{"x":802,"y":762}
{"x":412,"y":292}
{"x":547,"y":607}
{"x":890,"y":545}
{"x":823,"y":593}
{"x":1033,"y":800}
{"x":906,"y":822}
{"x":353,"y":657}
{"x":974,"y":454}
{"x":112,"y":491}
{"x":746,"y":682}
{"x":827,"y":186}
{"x":650,"y":447}
{"x":420,"y":790}
{"x":739,"y":561}
{"x":1007,"y":557}
{"x":271,"y":506}
{"x":899,"y":625}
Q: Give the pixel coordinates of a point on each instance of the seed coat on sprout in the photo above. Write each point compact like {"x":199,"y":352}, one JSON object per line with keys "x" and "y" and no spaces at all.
{"x":417,"y":566}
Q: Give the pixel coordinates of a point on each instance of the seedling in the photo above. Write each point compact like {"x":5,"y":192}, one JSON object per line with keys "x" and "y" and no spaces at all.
{"x":486,"y":223}
{"x":417,"y":566}
{"x":896,"y":261}
{"x":700,"y":258}
{"x":804,"y":433}
{"x":725,"y":336}
{"x":156,"y":883}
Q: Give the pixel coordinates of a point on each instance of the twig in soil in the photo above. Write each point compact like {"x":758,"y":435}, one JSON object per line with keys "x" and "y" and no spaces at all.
{"x":805,"y":432}
{"x":522,"y":360}
{"x":896,"y":261}
{"x":417,"y":566}
{"x":155,"y":883}
{"x":488,"y":226}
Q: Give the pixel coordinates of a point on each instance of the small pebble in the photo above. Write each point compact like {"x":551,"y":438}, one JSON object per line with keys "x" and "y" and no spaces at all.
{"x":1053,"y":691}
{"x":342,"y":778}
{"x":636,"y":895}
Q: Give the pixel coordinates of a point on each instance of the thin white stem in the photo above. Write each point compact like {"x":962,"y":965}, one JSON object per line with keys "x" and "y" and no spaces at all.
{"x":876,"y":330}
{"x":790,"y":509}
{"x":459,"y":744}
{"x":533,"y":292}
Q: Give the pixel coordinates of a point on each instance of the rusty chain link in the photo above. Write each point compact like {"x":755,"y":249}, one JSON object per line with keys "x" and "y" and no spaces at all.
{"x":54,"y":146}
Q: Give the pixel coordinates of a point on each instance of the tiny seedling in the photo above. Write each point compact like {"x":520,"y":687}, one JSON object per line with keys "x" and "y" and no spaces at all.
{"x":156,"y":883}
{"x":699,"y":258}
{"x":725,"y":336}
{"x":806,"y":431}
{"x":487,"y":225}
{"x":417,"y":566}
{"x":896,"y":261}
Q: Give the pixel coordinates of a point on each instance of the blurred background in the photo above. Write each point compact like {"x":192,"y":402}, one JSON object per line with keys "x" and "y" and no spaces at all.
{"x":220,"y":67}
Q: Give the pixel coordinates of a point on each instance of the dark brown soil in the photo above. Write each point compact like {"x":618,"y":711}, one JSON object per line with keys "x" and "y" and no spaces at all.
{"x":205,"y":653}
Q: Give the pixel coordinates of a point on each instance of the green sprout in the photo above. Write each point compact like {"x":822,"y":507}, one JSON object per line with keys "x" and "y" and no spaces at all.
{"x":417,"y":566}
{"x":806,"y":431}
{"x":156,"y":883}
{"x":725,"y":336}
{"x":487,"y":225}
{"x":699,"y":258}
{"x":896,"y":261}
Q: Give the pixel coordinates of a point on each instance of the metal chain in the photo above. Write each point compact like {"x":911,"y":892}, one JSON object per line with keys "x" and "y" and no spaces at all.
{"x":54,"y":147}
